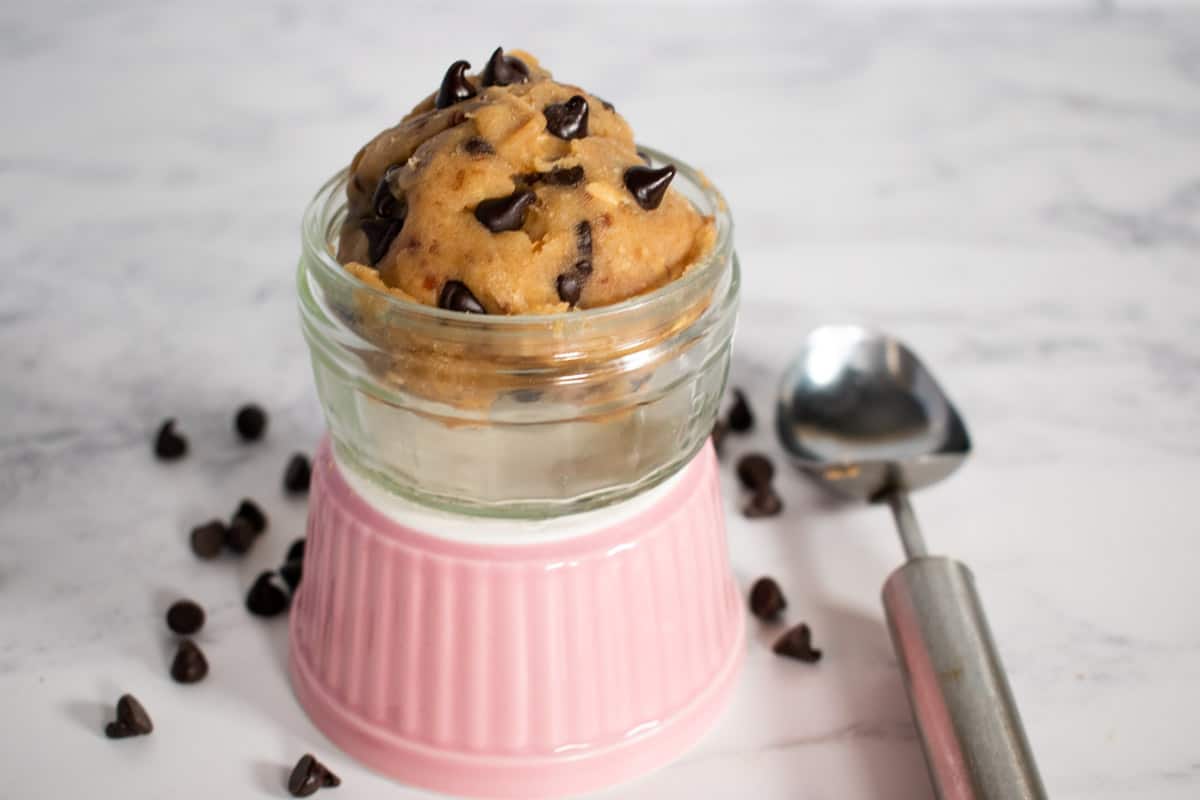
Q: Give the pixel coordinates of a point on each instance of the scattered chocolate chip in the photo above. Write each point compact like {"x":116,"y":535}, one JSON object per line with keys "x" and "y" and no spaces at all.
{"x":501,"y":70}
{"x":755,"y":471}
{"x":190,"y":665}
{"x":766,"y":599}
{"x":455,"y":86}
{"x":645,"y":158}
{"x":741,"y":418}
{"x":169,"y":445}
{"x":568,"y":120}
{"x":265,"y":599}
{"x":249,"y":511}
{"x":478,"y":147}
{"x":297,"y":474}
{"x":500,"y":214}
{"x":240,"y":536}
{"x":607,"y":105}
{"x":455,"y":296}
{"x":383,"y":202}
{"x":115,"y":730}
{"x":648,"y":185}
{"x":292,"y":572}
{"x":797,"y":643}
{"x":250,"y":422}
{"x":208,"y":539}
{"x":570,"y":287}
{"x":309,"y":775}
{"x":719,"y":432}
{"x":185,"y":617}
{"x":763,"y":503}
{"x":563,"y":176}
{"x":380,"y":234}
{"x":132,"y":719}
{"x":296,"y":551}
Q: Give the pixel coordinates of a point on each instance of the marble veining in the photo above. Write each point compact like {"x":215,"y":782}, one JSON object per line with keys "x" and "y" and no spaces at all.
{"x":1014,"y":191}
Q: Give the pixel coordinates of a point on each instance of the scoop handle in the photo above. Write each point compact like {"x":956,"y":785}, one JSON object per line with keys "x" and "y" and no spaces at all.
{"x":970,"y":728}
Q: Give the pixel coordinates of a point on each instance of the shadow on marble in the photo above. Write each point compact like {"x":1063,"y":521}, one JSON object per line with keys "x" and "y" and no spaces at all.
{"x":270,"y":777}
{"x":90,"y":715}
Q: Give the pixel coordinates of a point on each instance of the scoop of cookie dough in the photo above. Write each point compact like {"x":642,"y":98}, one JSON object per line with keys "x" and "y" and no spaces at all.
{"x":507,"y":192}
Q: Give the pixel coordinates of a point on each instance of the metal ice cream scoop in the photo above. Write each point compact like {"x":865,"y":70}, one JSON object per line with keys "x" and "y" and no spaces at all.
{"x":861,"y":415}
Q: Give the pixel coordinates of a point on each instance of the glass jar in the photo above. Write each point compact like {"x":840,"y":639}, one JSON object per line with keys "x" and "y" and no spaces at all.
{"x":518,"y":416}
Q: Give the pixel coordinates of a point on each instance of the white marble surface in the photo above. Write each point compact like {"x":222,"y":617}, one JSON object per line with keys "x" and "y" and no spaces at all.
{"x":1017,"y":193}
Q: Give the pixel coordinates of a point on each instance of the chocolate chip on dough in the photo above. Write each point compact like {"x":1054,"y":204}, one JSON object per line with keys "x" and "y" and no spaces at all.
{"x":648,"y":185}
{"x":455,"y":296}
{"x":500,"y":214}
{"x":568,"y":120}
{"x":455,"y":86}
{"x":501,"y":70}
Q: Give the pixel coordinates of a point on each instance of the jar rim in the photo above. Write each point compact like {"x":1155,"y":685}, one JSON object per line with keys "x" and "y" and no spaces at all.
{"x":329,"y":204}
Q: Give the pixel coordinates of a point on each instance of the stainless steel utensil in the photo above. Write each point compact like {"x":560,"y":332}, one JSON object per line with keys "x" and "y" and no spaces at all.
{"x":863,"y":416}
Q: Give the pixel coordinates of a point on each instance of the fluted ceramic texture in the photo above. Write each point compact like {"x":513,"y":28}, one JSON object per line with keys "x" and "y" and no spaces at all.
{"x":538,"y":668}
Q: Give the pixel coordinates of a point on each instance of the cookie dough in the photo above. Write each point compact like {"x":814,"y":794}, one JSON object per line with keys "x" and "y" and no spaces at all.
{"x":507,"y":192}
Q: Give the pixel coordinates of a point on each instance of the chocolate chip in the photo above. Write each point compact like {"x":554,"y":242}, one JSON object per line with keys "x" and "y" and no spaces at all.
{"x":132,"y":719}
{"x":168,"y":444}
{"x":309,"y":775}
{"x":766,"y":599}
{"x":570,"y":287}
{"x":570,"y":283}
{"x":741,"y":418}
{"x":719,"y":432}
{"x":755,"y":471}
{"x":763,"y":503}
{"x":115,"y":730}
{"x":292,"y":572}
{"x":607,"y":105}
{"x":380,"y":234}
{"x":240,"y":536}
{"x":250,"y":422}
{"x":645,"y":158}
{"x":648,"y":185}
{"x":564,"y":176}
{"x":383,"y":202}
{"x":208,"y":539}
{"x":478,"y":147}
{"x":455,"y":296}
{"x":296,"y":551}
{"x":455,"y":86}
{"x":568,"y":120}
{"x":797,"y":643}
{"x":265,"y":599}
{"x":297,"y":474}
{"x":249,"y":511}
{"x":500,"y":214}
{"x":185,"y":617}
{"x":583,"y":242}
{"x":501,"y":70}
{"x":190,"y":665}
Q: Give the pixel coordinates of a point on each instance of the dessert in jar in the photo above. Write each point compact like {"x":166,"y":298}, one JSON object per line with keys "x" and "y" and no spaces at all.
{"x":516,"y":581}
